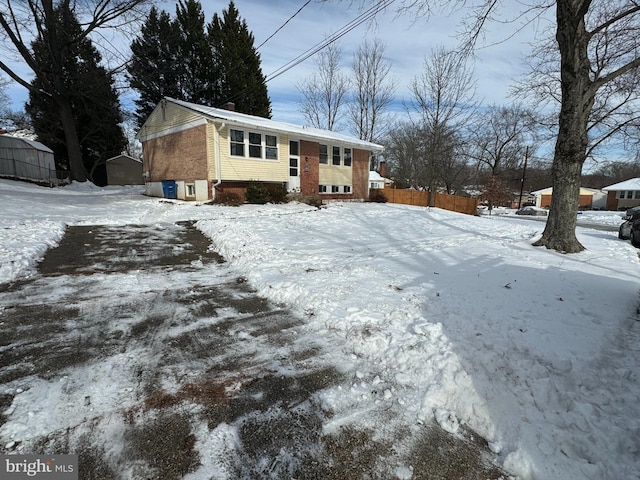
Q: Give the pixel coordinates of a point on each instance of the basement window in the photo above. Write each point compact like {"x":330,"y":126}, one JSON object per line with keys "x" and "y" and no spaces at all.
{"x":191,"y":190}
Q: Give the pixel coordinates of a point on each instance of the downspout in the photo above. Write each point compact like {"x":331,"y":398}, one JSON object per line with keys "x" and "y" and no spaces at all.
{"x":218,"y":162}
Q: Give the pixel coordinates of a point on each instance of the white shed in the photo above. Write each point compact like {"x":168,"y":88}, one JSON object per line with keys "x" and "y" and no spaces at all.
{"x":27,"y":160}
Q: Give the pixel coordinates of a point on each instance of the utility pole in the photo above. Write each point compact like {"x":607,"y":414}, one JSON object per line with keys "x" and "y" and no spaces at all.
{"x":524,"y":172}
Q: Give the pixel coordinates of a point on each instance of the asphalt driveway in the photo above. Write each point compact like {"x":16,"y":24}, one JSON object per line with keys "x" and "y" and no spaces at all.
{"x":138,"y":348}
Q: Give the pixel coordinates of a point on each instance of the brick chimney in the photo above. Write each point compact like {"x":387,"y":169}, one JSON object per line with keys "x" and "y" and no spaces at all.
{"x":383,"y":168}
{"x":229,"y":106}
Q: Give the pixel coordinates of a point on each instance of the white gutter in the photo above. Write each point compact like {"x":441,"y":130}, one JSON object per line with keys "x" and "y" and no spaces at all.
{"x":218,"y":162}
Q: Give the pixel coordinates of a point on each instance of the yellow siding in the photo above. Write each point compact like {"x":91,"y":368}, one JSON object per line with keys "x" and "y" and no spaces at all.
{"x":169,"y":117}
{"x":334,"y":175}
{"x":234,"y":168}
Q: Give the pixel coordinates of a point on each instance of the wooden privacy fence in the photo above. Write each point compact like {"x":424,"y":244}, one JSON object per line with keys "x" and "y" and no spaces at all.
{"x":440,"y":200}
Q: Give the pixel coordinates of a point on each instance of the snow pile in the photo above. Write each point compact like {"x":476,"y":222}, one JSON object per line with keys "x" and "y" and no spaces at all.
{"x":465,"y":321}
{"x":455,"y":318}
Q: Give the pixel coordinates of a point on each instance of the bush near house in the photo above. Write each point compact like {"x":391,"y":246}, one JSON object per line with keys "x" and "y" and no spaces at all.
{"x":231,"y":199}
{"x":377,"y":196}
{"x":260,"y":194}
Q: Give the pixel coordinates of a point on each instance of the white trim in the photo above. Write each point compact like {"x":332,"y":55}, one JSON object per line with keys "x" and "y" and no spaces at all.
{"x":265,"y":124}
{"x":169,"y":131}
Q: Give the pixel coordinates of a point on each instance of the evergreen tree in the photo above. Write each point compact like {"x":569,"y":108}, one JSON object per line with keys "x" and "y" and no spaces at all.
{"x":153,"y":70}
{"x":91,"y":94}
{"x":196,"y":72}
{"x":240,"y":75}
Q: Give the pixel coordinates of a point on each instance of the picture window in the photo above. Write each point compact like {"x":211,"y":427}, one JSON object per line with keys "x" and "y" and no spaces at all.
{"x":253,"y":145}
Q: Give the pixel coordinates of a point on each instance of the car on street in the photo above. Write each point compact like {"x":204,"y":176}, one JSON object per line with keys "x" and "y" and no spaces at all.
{"x":624,"y":232}
{"x":635,"y":229}
{"x":531,"y":210}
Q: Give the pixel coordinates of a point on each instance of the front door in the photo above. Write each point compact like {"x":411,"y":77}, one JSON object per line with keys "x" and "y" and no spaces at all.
{"x":294,"y":166}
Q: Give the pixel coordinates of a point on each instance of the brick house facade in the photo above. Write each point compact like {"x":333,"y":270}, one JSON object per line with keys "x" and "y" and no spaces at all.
{"x":191,"y":152}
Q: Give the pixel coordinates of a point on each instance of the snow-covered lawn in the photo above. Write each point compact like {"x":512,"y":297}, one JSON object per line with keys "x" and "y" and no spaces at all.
{"x":454,"y":317}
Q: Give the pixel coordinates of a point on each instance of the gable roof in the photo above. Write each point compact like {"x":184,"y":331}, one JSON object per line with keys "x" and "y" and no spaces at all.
{"x":302,"y":132}
{"x":125,"y":156}
{"x":631,"y":184}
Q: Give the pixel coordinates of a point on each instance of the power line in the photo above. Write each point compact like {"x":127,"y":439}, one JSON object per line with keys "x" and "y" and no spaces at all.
{"x":360,"y":19}
{"x":283,"y":25}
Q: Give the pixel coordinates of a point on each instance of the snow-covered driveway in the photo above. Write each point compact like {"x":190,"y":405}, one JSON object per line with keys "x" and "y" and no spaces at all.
{"x":139,"y":349}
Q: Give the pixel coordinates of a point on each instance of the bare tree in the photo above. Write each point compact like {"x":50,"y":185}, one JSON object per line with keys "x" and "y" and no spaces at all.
{"x":495,"y":192}
{"x":324,"y":93}
{"x":598,"y":47}
{"x":373,"y":90}
{"x":404,"y":154}
{"x":499,"y":138}
{"x":15,"y":19}
{"x":408,"y":153}
{"x":443,"y":99}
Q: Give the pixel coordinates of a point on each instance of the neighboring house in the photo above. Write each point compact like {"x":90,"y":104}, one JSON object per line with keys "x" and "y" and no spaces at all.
{"x":590,"y":198}
{"x":124,"y":170}
{"x":191,"y":151}
{"x":26,"y":159}
{"x":377,"y":181}
{"x":623,"y":195}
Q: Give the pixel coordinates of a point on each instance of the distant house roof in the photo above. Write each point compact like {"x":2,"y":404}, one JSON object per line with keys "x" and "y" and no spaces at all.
{"x":583,"y":191}
{"x":375,"y":176}
{"x":302,"y":132}
{"x":631,"y":184}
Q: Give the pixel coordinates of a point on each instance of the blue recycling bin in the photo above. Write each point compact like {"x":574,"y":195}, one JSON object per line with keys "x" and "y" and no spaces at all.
{"x":169,"y":189}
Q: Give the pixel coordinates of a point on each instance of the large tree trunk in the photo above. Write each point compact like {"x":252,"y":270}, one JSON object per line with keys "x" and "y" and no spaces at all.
{"x":578,"y":95}
{"x":74,"y":151}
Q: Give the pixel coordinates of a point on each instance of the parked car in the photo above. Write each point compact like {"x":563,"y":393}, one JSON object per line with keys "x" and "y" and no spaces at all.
{"x":624,"y":232}
{"x":635,"y":229}
{"x":531,"y":210}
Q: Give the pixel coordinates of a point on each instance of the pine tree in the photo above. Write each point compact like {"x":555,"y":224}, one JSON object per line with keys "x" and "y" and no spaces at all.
{"x":240,"y":74}
{"x":197,"y":72}
{"x":90,"y":92}
{"x":154,"y":68}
